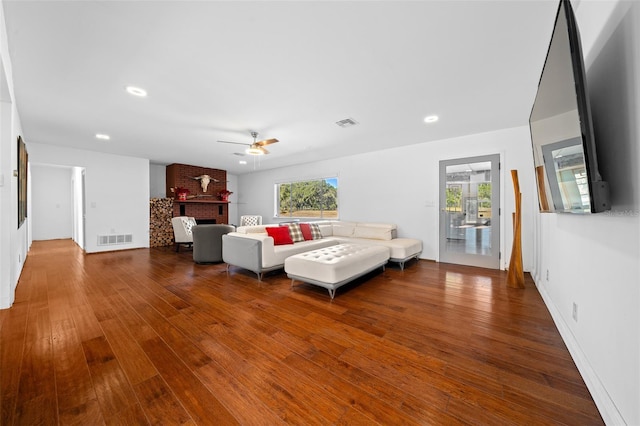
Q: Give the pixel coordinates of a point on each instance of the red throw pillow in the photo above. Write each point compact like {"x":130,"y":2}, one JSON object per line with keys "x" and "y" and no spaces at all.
{"x":280,"y":235}
{"x":306,"y":231}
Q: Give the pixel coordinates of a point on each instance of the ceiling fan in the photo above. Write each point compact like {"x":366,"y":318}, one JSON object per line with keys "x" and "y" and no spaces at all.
{"x":257,"y":147}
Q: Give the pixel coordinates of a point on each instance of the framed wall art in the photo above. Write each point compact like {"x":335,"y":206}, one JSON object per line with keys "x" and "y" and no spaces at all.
{"x":23,"y":159}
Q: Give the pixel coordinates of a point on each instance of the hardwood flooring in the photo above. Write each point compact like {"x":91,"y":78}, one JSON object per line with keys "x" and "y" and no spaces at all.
{"x":148,"y":337}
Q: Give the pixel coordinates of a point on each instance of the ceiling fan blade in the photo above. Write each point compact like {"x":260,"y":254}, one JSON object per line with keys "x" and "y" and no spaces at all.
{"x":236,"y":143}
{"x":264,"y":150}
{"x":266,"y":142}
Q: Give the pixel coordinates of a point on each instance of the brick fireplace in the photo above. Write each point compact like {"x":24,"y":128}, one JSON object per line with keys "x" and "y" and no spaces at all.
{"x":204,"y":206}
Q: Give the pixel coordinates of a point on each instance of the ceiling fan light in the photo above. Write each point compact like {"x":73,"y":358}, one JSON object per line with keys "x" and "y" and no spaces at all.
{"x":254,"y":150}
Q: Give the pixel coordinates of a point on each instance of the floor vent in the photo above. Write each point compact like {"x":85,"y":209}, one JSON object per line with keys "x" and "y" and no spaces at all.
{"x":111,"y":240}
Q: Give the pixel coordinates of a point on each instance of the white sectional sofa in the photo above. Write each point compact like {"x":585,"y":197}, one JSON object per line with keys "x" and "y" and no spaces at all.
{"x":250,"y":247}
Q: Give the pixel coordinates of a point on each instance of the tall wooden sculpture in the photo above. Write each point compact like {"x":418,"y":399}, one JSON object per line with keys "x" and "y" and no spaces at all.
{"x":515,"y":276}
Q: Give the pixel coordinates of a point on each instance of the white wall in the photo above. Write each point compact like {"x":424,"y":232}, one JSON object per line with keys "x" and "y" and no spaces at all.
{"x":14,"y":241}
{"x":594,"y":260}
{"x":116,"y":189}
{"x":401,"y":185}
{"x":77,"y":176}
{"x":52,"y":202}
{"x":232,"y":185}
{"x":157,"y":181}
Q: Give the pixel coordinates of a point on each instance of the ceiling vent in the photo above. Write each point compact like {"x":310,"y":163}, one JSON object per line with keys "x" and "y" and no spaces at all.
{"x":347,"y":122}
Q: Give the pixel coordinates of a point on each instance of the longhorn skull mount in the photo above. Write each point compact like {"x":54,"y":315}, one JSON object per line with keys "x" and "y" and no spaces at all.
{"x":205,"y":180}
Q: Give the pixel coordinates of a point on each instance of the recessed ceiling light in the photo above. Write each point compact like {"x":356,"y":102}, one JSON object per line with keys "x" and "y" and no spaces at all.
{"x":136,"y":91}
{"x":242,"y":162}
{"x":431,"y":119}
{"x":102,"y":136}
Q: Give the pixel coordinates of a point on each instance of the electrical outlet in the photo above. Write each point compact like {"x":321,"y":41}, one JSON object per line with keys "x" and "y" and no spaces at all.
{"x":574,"y":314}
{"x":547,"y":275}
{"x":19,"y":258}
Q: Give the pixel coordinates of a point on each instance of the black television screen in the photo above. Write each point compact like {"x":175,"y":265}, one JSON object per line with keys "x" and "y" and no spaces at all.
{"x":561,"y":128}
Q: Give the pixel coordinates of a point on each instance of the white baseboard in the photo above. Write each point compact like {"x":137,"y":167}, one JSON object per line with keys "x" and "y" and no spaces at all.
{"x":605,"y":404}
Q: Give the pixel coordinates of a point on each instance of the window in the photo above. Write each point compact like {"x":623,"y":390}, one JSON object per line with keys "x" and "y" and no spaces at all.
{"x":308,"y":199}
{"x":454,"y":197}
{"x":484,"y":200}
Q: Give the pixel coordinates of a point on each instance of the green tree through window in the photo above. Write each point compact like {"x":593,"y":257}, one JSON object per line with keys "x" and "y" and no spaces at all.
{"x":454,"y":198}
{"x":308,"y":199}
{"x":484,"y":195}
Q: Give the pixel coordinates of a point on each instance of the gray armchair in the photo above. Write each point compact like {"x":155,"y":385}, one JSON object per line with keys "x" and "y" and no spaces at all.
{"x":207,"y":242}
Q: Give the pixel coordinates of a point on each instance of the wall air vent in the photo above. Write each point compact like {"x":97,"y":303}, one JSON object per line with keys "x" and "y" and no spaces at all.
{"x":347,"y":122}
{"x":115,"y":239}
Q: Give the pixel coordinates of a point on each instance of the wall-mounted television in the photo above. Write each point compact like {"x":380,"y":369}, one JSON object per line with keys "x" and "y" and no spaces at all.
{"x":564,"y":149}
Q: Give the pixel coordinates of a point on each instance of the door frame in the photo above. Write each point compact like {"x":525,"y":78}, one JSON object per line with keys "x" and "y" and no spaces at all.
{"x":497,"y":229}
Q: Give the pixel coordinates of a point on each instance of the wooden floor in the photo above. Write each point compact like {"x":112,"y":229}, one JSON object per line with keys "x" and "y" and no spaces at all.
{"x":148,"y":337}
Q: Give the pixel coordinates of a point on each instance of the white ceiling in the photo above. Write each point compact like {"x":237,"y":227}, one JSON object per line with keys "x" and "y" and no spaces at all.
{"x":288,"y":70}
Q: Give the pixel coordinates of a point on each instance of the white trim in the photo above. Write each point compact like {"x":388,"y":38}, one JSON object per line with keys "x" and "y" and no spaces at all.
{"x":608,"y":410}
{"x":467,"y":258}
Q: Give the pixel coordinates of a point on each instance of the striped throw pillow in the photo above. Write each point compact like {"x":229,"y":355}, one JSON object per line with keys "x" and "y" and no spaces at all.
{"x":295,"y":232}
{"x":315,"y":231}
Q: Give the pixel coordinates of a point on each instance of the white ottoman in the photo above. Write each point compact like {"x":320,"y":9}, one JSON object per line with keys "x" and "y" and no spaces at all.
{"x":331,"y":267}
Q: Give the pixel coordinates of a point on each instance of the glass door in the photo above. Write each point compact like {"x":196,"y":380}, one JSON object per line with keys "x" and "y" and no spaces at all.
{"x":470,"y":211}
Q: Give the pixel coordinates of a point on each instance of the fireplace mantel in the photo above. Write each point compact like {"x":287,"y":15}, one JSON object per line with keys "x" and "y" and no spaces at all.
{"x":199,"y":201}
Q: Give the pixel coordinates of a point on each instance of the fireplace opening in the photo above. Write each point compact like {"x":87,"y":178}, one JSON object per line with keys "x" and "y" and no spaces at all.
{"x":205,"y":221}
